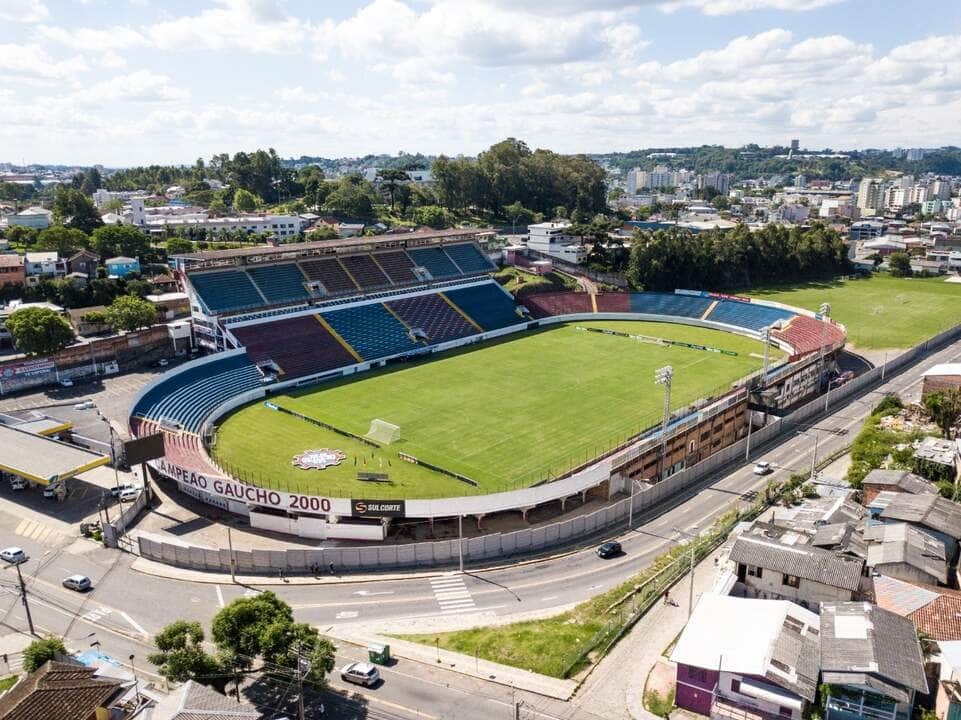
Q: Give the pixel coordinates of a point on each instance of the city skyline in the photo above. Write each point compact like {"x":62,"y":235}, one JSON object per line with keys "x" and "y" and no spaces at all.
{"x":130,"y":83}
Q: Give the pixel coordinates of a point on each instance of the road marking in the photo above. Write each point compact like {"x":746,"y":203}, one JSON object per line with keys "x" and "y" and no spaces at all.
{"x":220,"y":595}
{"x":98,"y":614}
{"x":549,"y":597}
{"x":134,"y":624}
{"x":452,"y":595}
{"x":371,"y":593}
{"x":346,"y":615}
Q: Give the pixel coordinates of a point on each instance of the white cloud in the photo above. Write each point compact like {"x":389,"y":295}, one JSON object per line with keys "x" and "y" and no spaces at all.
{"x":31,"y":63}
{"x":249,"y":25}
{"x":730,"y":7}
{"x":25,"y":11}
{"x":141,"y":86}
{"x":118,"y":37}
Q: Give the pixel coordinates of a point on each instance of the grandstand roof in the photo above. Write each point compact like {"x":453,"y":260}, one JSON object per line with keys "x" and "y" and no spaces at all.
{"x":42,"y":460}
{"x":391,"y":239}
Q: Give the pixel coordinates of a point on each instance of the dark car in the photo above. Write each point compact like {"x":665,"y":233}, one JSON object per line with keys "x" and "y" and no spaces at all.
{"x":609,"y":549}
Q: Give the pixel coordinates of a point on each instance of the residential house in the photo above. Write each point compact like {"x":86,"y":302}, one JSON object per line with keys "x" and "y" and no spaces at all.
{"x":896,"y":481}
{"x":33,"y":217}
{"x":842,"y":538}
{"x":172,"y":305}
{"x":747,"y":659}
{"x":122,"y":266}
{"x":935,"y":611}
{"x":807,"y":575}
{"x":193,"y":701}
{"x":936,"y":451}
{"x":162,"y":283}
{"x":346,"y":230}
{"x":904,"y":552}
{"x":89,"y":320}
{"x":871,"y":663}
{"x":83,"y":261}
{"x":946,"y":376}
{"x":12,"y":270}
{"x":61,"y":691}
{"x":947,"y":704}
{"x":43,"y":266}
{"x":932,"y":514}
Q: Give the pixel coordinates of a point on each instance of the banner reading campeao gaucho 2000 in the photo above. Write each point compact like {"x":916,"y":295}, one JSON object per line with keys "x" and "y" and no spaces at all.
{"x":228,"y":489}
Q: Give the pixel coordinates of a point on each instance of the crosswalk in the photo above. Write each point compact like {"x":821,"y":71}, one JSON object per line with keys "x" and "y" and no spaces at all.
{"x":39,"y":532}
{"x":452,"y":594}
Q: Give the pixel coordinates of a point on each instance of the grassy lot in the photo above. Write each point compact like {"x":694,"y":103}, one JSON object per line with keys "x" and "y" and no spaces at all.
{"x":7,"y":683}
{"x":504,"y":414}
{"x":521,"y":284}
{"x":881,"y":311}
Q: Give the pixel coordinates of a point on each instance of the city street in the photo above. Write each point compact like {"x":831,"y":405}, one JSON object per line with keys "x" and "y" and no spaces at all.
{"x":126,"y":608}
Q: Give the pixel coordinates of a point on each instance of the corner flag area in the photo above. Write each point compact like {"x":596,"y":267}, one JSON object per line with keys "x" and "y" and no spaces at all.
{"x":42,"y":460}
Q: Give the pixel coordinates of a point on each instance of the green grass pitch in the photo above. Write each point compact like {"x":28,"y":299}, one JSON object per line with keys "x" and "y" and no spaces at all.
{"x":880,"y":312}
{"x":503,"y":413}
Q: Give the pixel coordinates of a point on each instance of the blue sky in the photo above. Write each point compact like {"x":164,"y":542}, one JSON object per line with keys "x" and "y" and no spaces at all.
{"x":127,"y":82}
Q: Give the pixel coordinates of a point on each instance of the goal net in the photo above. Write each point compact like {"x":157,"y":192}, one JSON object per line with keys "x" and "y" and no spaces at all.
{"x":383,"y":431}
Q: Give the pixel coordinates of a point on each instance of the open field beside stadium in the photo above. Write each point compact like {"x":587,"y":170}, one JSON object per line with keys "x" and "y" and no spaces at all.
{"x":504,"y":414}
{"x":880,"y":311}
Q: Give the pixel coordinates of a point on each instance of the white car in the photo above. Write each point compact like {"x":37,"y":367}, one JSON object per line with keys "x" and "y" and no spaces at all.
{"x":13,"y":555}
{"x":762,"y":467}
{"x":52,"y":491}
{"x":128,"y":494}
{"x":163,"y":362}
{"x":360,"y":673}
{"x":85,"y":405}
{"x":66,"y":382}
{"x":17,"y":483}
{"x":120,"y":489}
{"x":79,"y":583}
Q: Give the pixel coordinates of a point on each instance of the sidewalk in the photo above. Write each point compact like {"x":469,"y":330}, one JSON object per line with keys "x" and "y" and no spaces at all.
{"x":615,"y":689}
{"x":473,"y":667}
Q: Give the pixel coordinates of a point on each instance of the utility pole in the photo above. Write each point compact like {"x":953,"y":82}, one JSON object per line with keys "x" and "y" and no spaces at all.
{"x":230,"y":547}
{"x":460,"y":542}
{"x":824,"y":317}
{"x":692,"y":541}
{"x":23,"y":597}
{"x":664,"y":376}
{"x":814,"y":458}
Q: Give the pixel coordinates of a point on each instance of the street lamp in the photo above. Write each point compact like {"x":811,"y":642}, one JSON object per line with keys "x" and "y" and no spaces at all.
{"x":664,"y":376}
{"x":630,"y":505}
{"x":113,"y":452}
{"x":136,"y":684}
{"x":692,"y":537}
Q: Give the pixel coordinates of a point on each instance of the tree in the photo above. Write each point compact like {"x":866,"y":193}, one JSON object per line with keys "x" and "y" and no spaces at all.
{"x":62,"y":240}
{"x":39,"y":331}
{"x":182,"y":656}
{"x":119,"y":240}
{"x":900,"y":264}
{"x":352,"y":197}
{"x":245,"y":201}
{"x":179,"y":246}
{"x":40,"y":651}
{"x":263,"y":627}
{"x":944,"y":408}
{"x":129,"y":312}
{"x":74,"y":209}
{"x":390,"y":178}
{"x":433,"y":216}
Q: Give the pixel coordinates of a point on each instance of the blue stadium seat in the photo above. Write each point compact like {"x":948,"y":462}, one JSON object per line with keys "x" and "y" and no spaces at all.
{"x":188,"y":397}
{"x":226,"y":290}
{"x":435,"y":260}
{"x":469,"y":258}
{"x":655,"y":303}
{"x":438,"y":320}
{"x":371,"y":330}
{"x":487,"y":305}
{"x":747,"y":315}
{"x":279,"y":283}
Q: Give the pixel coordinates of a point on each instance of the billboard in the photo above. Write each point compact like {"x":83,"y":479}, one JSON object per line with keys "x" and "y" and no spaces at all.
{"x":377,"y":508}
{"x":148,"y":447}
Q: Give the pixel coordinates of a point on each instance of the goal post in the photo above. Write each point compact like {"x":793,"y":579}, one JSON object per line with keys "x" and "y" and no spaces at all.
{"x":383,"y":431}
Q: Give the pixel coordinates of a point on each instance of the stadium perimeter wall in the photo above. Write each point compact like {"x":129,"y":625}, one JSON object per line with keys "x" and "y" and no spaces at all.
{"x":529,"y":541}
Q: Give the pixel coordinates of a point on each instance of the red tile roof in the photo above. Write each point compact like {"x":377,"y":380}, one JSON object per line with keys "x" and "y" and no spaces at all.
{"x":57,"y":691}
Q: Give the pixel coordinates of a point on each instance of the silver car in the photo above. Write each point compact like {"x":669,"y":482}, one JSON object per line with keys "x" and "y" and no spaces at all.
{"x":80,"y":583}
{"x":360,"y":673}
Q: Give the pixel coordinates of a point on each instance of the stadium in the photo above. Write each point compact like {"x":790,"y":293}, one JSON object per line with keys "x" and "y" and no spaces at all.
{"x":354,"y":381}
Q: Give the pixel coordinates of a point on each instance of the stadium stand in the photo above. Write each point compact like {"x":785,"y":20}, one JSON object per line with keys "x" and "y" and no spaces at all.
{"x":435,"y":317}
{"x":300,"y":346}
{"x":397,"y":265}
{"x":655,"y":303}
{"x":183,"y":449}
{"x":279,"y":283}
{"x":746,"y":315}
{"x":371,"y":330}
{"x":329,"y":272}
{"x":189,"y":396}
{"x":365,"y":272}
{"x":557,"y":303}
{"x":226,"y":290}
{"x":487,"y":305}
{"x":435,"y":260}
{"x":805,"y":334}
{"x":469,"y":258}
{"x":613,"y":302}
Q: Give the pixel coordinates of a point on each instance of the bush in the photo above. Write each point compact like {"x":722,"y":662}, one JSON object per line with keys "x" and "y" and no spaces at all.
{"x":657,"y":705}
{"x":890,"y":405}
{"x":40,"y":651}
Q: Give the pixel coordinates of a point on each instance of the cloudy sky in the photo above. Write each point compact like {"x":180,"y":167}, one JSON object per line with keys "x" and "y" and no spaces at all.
{"x":124,"y":82}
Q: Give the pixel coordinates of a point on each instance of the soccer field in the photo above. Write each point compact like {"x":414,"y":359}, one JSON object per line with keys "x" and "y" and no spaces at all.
{"x":504,"y":414}
{"x":880,"y":312}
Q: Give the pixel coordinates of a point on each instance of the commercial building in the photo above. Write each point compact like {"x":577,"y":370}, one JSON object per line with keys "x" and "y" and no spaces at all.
{"x":33,"y":217}
{"x":870,"y":194}
{"x":553,"y":238}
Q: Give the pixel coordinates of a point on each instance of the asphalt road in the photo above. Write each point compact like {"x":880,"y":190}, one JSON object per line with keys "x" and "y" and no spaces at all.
{"x":126,"y":608}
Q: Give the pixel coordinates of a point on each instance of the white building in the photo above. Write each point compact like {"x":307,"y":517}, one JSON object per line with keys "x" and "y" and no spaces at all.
{"x":43,"y":265}
{"x":33,"y":217}
{"x":552,"y":238}
{"x":870,"y":194}
{"x":279,"y":226}
{"x":940,"y":190}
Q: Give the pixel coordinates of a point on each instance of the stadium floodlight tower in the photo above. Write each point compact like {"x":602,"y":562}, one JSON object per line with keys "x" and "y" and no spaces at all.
{"x":766,"y":337}
{"x":664,"y":376}
{"x":824,"y":315}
